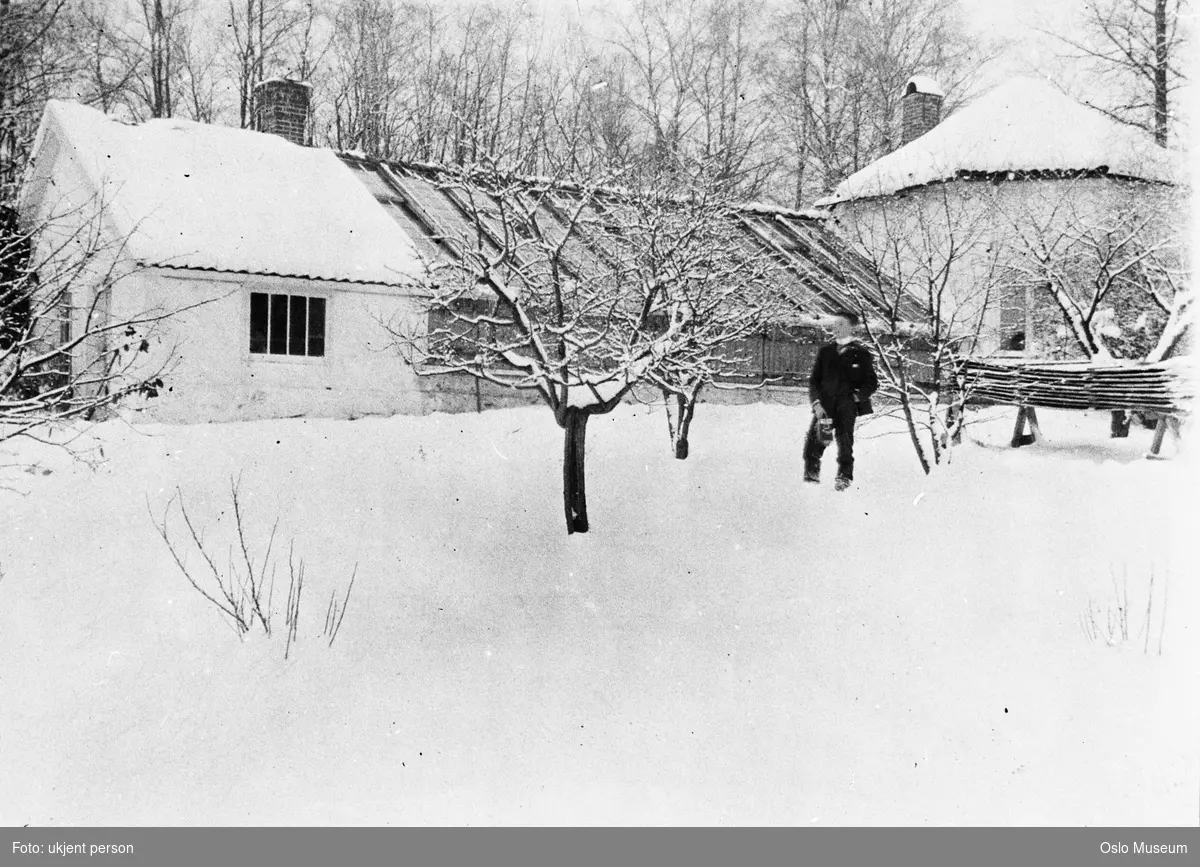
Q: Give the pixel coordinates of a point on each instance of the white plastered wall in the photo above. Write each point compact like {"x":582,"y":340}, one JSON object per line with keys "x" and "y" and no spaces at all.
{"x":983,"y":220}
{"x":209,"y":373}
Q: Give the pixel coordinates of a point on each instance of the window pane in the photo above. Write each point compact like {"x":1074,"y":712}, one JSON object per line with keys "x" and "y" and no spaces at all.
{"x":316,"y":326}
{"x":279,"y":322}
{"x":298,"y":328}
{"x":258,"y":322}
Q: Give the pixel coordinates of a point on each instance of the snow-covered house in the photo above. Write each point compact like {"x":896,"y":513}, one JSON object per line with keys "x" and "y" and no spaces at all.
{"x":280,"y":262}
{"x":1024,"y":171}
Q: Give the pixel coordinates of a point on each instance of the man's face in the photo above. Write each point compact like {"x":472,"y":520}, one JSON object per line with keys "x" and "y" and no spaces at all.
{"x":842,"y":328}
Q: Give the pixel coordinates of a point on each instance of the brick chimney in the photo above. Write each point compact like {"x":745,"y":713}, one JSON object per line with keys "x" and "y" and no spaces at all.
{"x":281,"y":108}
{"x":920,"y":107}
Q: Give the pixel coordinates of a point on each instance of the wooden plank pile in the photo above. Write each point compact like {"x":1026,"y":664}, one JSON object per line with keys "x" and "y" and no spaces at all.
{"x":1161,"y":388}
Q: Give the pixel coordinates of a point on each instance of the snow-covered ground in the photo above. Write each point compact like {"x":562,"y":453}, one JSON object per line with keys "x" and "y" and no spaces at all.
{"x":726,"y":645}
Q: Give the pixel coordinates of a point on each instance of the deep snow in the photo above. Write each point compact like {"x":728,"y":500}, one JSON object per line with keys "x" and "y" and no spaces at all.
{"x":726,"y":646}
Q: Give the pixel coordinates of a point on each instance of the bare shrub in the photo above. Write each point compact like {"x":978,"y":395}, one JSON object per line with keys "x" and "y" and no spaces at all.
{"x":244,"y":590}
{"x":1114,"y":619}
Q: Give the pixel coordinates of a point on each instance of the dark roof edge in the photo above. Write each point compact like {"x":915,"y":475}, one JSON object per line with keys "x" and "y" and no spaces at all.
{"x":1001,"y":177}
{"x":209,"y":269}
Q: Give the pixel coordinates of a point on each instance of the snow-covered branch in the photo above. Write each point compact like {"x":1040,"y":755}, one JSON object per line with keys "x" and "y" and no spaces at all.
{"x":66,"y":349}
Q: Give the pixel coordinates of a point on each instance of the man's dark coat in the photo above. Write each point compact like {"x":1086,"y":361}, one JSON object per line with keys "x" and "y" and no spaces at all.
{"x":841,"y":375}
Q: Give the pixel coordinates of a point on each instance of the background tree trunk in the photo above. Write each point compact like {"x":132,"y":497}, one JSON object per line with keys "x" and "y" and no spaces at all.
{"x":1161,"y":60}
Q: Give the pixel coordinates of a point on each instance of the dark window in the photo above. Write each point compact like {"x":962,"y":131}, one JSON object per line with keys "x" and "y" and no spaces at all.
{"x":298,"y":325}
{"x":258,"y":322}
{"x":287,"y":324}
{"x":316,"y":326}
{"x":277,"y":339}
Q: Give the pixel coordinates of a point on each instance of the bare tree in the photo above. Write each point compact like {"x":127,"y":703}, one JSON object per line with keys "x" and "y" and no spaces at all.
{"x":109,"y":55}
{"x":932,"y":262}
{"x":1110,"y":269}
{"x":904,"y":37}
{"x":695,"y":82}
{"x":1138,"y":48}
{"x":35,"y":61}
{"x":200,"y":83}
{"x":368,"y":44}
{"x":657,"y":39}
{"x":1176,"y":338}
{"x":270,"y":37}
{"x":68,"y":350}
{"x":730,"y":96}
{"x":838,"y":72}
{"x":527,"y":304}
{"x":1101,"y":262}
{"x":167,"y":26}
{"x":814,"y":77}
{"x":308,"y":40}
{"x":720,"y":286}
{"x":610,"y":119}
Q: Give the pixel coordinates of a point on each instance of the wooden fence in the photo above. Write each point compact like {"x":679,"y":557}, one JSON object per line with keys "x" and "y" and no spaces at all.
{"x":785,"y":356}
{"x":1163,"y":387}
{"x":1160,"y":390}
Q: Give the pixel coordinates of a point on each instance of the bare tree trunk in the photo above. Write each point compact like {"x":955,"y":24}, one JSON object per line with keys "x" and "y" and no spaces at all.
{"x":1160,"y":72}
{"x":686,"y":411}
{"x":574,"y":495}
{"x":681,"y":422}
{"x":160,"y":63}
{"x":911,"y":422}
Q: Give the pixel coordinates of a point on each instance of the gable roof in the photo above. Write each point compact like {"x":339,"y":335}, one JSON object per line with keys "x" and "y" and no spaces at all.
{"x":816,"y":271}
{"x":1024,"y":126}
{"x":199,"y":196}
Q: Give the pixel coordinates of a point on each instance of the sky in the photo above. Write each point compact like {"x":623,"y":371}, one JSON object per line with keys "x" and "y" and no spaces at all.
{"x":1026,"y":26}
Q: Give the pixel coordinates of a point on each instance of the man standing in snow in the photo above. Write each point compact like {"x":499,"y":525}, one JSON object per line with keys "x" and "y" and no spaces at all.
{"x":839,"y":388}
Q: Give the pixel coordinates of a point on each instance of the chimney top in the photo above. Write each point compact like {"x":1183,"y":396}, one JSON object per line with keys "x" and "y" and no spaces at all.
{"x":920,"y":107}
{"x":923,"y":84}
{"x":282,"y":108}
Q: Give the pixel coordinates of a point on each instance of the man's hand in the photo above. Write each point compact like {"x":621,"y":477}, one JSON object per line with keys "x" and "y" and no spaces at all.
{"x":816,"y":409}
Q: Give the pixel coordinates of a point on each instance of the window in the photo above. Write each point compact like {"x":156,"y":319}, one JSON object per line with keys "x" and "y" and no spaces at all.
{"x":287,"y":324}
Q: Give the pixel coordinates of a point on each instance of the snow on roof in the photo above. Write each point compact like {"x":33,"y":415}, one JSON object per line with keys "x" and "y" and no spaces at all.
{"x":923,"y":84}
{"x":281,"y":80}
{"x":1024,"y":125}
{"x":768,"y":209}
{"x":193,"y":195}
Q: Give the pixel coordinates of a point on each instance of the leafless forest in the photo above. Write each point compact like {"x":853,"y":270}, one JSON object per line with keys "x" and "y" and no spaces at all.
{"x":786,"y":97}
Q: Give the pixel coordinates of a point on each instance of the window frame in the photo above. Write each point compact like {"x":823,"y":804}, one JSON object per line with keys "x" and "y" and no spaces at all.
{"x":289,"y":292}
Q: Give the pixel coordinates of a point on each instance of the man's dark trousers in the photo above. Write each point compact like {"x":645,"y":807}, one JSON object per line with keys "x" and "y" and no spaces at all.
{"x":844,"y":416}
